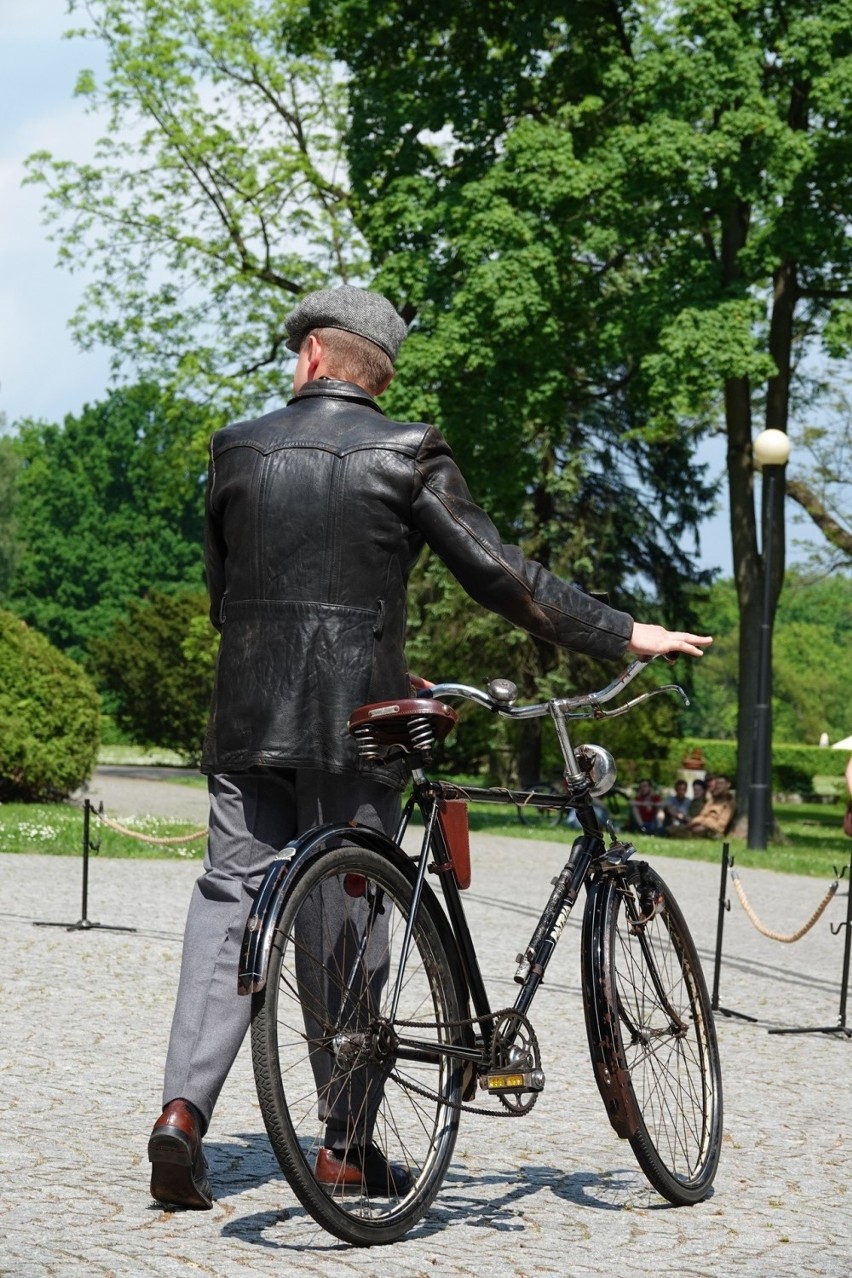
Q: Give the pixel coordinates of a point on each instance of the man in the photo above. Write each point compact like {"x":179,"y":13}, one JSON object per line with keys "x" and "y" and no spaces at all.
{"x":676,"y":806}
{"x":646,"y":811}
{"x":699,"y":796}
{"x":715,"y":817}
{"x":316,"y":514}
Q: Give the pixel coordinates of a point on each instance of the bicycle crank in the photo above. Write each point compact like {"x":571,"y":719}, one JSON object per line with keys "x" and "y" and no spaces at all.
{"x":515,"y":1075}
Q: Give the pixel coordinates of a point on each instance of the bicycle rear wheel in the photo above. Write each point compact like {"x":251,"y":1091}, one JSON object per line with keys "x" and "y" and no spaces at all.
{"x":541,"y":817}
{"x":337,"y":1066}
{"x":651,"y":1031}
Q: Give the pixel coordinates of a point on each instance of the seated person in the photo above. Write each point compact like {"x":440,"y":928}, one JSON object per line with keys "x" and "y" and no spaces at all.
{"x":699,"y":796}
{"x":646,"y":812}
{"x":715,"y":817}
{"x":676,"y":806}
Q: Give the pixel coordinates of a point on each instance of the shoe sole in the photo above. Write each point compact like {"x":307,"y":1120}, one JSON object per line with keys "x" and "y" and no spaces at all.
{"x":172,"y":1178}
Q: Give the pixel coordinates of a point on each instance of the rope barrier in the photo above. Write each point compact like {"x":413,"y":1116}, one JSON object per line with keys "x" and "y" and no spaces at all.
{"x":150,"y":838}
{"x":768,"y":932}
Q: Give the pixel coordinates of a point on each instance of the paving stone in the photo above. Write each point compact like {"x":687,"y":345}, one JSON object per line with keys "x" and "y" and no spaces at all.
{"x":85,"y":1020}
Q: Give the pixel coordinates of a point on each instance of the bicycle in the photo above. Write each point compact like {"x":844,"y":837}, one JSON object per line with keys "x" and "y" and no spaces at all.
{"x":366,"y":990}
{"x":611,"y":806}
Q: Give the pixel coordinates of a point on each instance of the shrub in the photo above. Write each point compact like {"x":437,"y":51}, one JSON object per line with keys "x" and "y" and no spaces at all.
{"x":159,"y":676}
{"x":793,"y":766}
{"x":49,"y":717}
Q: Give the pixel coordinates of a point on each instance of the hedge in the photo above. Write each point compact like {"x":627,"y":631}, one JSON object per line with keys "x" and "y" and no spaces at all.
{"x":49,"y":717}
{"x":793,"y":766}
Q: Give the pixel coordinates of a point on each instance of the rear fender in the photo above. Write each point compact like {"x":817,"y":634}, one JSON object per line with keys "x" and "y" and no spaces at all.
{"x":286,"y":870}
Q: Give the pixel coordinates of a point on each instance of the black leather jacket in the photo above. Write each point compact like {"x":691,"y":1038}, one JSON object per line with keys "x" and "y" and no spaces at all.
{"x":316,"y":514}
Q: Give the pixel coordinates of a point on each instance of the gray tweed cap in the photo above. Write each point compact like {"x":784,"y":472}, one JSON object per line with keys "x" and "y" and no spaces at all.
{"x":355,"y":310}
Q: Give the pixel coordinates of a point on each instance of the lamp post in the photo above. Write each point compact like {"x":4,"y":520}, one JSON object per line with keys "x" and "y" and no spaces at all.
{"x":771,"y":451}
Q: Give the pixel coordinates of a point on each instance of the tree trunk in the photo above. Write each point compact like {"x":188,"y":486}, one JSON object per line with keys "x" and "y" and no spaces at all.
{"x":746,"y":574}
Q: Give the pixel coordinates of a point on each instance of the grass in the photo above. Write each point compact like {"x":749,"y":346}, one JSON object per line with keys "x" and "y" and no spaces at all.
{"x":56,"y":829}
{"x":131,"y":756}
{"x":811,"y":841}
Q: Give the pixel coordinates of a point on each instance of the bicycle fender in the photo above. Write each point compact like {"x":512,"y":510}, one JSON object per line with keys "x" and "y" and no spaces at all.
{"x":614,"y":1086}
{"x":286,"y":870}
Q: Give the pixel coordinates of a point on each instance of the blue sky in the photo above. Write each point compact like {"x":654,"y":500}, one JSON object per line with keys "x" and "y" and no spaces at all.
{"x":42,"y":373}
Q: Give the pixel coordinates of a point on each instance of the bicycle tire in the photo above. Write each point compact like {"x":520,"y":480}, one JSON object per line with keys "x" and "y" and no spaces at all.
{"x":415,"y":1132}
{"x":651,"y":1031}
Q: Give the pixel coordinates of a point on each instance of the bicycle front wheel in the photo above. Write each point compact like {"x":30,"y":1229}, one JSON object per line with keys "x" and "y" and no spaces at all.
{"x":651,"y":1031}
{"x":352,"y":1048}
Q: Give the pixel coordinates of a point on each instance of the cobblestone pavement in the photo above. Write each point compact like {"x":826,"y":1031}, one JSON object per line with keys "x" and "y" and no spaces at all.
{"x":85,"y":1019}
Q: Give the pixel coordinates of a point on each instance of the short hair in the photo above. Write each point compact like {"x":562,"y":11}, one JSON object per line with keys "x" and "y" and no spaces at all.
{"x":355,"y":359}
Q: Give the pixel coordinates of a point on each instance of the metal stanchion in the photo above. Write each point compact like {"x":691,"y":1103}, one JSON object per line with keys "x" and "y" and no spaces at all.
{"x":724,"y":906}
{"x":841,"y":1026}
{"x":84,"y":924}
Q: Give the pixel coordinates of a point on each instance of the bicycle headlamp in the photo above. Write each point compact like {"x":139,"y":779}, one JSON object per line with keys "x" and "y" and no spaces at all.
{"x":600,"y":766}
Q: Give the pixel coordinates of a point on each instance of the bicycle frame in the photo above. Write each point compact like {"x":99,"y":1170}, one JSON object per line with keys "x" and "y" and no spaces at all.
{"x":532,"y":963}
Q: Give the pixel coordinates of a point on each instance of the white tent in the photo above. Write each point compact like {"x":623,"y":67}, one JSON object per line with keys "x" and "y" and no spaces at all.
{"x":845,"y":744}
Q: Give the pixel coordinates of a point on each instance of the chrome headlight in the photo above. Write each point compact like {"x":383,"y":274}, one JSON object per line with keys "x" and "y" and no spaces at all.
{"x":600,"y":766}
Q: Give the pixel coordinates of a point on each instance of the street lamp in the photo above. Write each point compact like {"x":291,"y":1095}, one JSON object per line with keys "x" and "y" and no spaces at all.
{"x":771,"y":450}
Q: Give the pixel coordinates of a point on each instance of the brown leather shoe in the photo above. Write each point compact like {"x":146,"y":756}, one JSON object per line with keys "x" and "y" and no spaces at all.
{"x":178,"y":1165}
{"x":361,"y":1171}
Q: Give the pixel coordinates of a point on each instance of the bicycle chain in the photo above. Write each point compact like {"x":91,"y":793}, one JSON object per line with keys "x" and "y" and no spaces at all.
{"x":465,"y":1106}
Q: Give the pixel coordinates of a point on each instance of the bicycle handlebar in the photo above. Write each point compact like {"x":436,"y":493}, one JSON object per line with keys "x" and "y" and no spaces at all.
{"x":501,"y":694}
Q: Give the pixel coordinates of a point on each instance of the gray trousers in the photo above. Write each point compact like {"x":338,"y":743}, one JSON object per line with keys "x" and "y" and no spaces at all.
{"x":252,"y":816}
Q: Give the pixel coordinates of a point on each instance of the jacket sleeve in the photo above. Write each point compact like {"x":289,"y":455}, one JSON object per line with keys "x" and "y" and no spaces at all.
{"x":500,"y":577}
{"x":214,"y":550}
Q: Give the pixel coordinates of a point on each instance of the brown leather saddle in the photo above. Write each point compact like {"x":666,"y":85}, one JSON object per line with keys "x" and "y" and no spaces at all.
{"x":413,"y":724}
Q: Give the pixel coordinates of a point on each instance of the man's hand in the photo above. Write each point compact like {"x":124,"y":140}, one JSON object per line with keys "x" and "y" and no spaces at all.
{"x":655,"y":641}
{"x":418,"y":683}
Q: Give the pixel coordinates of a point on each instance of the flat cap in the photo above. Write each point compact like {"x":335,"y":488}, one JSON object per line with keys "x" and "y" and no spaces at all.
{"x":355,"y":310}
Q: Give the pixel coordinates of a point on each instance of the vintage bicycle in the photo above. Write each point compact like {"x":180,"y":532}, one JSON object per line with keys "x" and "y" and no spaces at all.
{"x":368,"y":998}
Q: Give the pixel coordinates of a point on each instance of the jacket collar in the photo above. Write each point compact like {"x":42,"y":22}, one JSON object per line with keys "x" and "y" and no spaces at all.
{"x":331,"y":388}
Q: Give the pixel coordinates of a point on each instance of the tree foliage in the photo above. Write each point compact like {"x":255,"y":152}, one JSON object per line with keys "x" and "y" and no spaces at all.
{"x":702,"y":191}
{"x":158,"y":673}
{"x":108,"y":504}
{"x":9,"y":542}
{"x":49,"y":717}
{"x":217,"y":195}
{"x":813,"y":633}
{"x":615,"y":226}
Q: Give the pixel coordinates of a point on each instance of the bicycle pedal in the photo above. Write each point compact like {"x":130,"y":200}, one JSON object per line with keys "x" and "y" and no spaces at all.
{"x":513,"y":1080}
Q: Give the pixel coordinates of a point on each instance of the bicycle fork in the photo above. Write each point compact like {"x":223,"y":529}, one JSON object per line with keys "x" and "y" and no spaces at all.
{"x":533,"y":961}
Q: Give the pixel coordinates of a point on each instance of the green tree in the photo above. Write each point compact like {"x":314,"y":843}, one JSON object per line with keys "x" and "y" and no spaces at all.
{"x":158,"y":673}
{"x":244,"y":113}
{"x":9,"y":541}
{"x":822,"y":485}
{"x":703,"y":180}
{"x":813,"y":632}
{"x":108,"y":505}
{"x":217,"y":194}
